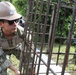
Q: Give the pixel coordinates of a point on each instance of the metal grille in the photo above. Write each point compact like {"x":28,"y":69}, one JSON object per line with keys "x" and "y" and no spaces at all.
{"x":42,"y":22}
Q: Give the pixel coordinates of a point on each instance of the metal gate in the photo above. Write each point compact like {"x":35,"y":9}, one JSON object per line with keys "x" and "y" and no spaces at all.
{"x":43,"y":24}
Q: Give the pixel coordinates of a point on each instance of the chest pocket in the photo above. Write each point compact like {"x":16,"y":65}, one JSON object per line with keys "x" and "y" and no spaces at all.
{"x":15,"y":42}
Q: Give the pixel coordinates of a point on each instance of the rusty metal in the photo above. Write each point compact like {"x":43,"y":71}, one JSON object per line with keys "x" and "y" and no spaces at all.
{"x":69,"y":40}
{"x":38,"y":20}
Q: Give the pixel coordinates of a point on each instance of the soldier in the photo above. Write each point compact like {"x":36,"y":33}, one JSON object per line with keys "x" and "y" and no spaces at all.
{"x":10,"y":32}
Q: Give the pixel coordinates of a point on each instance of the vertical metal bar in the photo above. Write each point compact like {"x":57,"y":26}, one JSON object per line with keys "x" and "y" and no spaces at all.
{"x":41,"y":7}
{"x":50,"y":33}
{"x":45,"y":63}
{"x":52,"y":37}
{"x":25,"y":66}
{"x":23,"y":54}
{"x":33,"y":33}
{"x":61,"y":29}
{"x":51,"y":26}
{"x":43,"y":35}
{"x":69,"y":40}
{"x":30,"y":45}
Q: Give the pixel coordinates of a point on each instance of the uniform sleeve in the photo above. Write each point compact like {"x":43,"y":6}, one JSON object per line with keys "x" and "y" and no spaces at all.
{"x":4,"y":62}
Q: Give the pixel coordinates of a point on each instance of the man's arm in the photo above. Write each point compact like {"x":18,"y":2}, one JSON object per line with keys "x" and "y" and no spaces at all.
{"x":5,"y":63}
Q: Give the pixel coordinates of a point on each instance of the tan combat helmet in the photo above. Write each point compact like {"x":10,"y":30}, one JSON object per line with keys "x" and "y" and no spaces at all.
{"x":8,"y":11}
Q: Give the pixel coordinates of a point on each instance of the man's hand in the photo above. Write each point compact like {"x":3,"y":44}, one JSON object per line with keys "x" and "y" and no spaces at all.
{"x":17,"y":72}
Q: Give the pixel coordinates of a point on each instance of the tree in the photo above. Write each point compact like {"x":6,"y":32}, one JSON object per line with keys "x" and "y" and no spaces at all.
{"x":21,"y":6}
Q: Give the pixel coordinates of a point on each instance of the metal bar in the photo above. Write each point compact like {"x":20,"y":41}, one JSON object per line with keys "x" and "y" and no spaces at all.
{"x":44,"y":30}
{"x":45,"y":64}
{"x":30,"y":44}
{"x":34,"y":22}
{"x":41,"y":7}
{"x":53,"y":34}
{"x":33,"y":32}
{"x":50,"y":33}
{"x":61,"y":31}
{"x":69,"y":40}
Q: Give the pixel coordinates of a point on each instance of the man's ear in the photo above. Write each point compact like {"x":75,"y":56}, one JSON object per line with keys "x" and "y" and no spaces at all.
{"x":0,"y":24}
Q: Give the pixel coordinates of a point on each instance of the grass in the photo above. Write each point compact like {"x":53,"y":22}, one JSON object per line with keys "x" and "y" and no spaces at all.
{"x":69,"y":67}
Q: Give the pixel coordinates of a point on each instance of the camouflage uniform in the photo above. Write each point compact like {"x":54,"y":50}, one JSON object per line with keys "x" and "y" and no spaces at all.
{"x":9,"y":47}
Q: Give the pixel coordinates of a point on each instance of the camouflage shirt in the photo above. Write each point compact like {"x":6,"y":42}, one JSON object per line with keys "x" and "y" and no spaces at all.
{"x":8,"y":47}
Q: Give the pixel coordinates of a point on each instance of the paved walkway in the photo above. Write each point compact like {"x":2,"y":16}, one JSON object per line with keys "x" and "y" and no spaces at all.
{"x":57,"y":69}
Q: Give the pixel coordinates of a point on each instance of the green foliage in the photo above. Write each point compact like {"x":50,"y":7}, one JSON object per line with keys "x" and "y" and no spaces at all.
{"x":64,"y":23}
{"x":65,"y":15}
{"x":21,"y":6}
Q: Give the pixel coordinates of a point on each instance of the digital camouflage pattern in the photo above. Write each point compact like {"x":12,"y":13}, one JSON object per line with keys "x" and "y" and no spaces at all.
{"x":8,"y":48}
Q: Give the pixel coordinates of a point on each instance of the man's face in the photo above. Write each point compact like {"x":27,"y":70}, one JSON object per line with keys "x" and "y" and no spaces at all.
{"x":9,"y":26}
